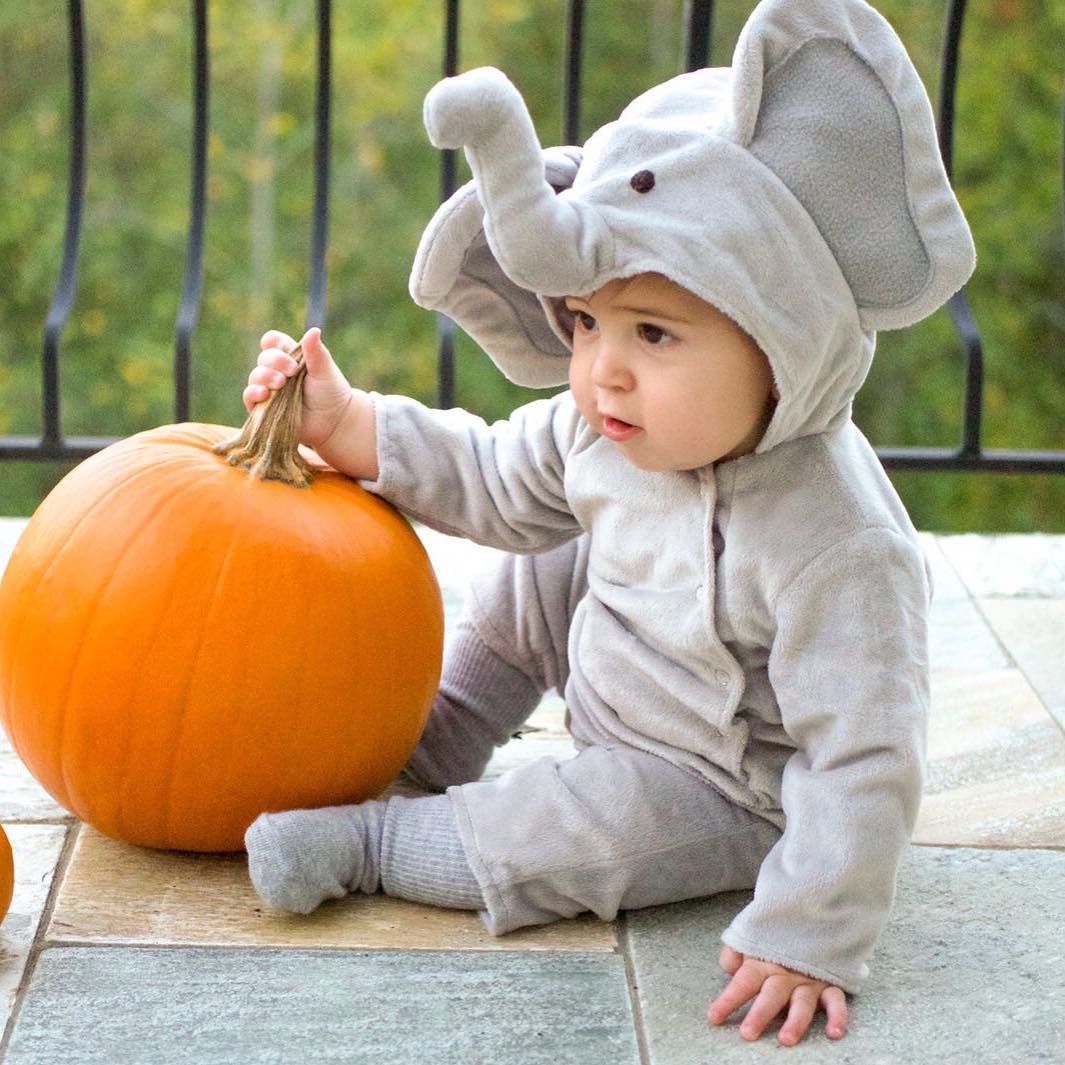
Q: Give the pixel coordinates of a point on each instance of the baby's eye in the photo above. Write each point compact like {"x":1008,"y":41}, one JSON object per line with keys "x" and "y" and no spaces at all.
{"x":652,"y":334}
{"x":584,"y":320}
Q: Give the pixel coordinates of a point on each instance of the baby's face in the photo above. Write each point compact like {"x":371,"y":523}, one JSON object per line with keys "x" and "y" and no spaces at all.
{"x":672,"y":381}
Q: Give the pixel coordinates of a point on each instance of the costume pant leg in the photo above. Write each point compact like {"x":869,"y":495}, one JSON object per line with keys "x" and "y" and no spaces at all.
{"x":509,"y":648}
{"x":612,"y":828}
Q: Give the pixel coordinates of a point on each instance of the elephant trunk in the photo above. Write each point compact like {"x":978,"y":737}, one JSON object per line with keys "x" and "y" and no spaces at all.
{"x":544,"y":243}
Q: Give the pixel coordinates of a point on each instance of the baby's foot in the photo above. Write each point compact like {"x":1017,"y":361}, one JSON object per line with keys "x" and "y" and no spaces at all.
{"x":300,"y":858}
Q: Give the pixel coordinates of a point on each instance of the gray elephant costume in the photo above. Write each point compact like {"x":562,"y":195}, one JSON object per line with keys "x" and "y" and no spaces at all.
{"x":742,"y":648}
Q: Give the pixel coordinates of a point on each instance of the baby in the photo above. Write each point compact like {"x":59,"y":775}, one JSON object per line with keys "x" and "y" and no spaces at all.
{"x":705,"y":556}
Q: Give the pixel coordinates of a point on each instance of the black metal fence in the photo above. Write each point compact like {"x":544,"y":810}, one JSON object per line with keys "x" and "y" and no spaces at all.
{"x":699,"y":17}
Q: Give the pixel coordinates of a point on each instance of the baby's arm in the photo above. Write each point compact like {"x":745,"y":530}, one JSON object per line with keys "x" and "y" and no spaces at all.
{"x":500,"y":485}
{"x":849,"y":668}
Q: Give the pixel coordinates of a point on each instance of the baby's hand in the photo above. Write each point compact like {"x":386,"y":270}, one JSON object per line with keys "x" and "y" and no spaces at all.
{"x":776,"y":987}
{"x":326,"y":392}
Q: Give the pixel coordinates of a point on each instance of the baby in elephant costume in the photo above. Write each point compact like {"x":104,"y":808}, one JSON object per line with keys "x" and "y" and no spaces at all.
{"x":705,"y":556}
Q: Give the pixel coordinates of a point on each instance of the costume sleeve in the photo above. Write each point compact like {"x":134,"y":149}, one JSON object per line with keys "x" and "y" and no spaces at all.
{"x":500,"y":485}
{"x":849,"y":666}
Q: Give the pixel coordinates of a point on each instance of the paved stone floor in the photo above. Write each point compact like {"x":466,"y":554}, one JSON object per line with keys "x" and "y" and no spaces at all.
{"x":118,"y":955}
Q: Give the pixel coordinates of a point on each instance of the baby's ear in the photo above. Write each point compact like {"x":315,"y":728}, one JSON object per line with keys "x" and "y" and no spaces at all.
{"x":825,"y":95}
{"x":456,"y":272}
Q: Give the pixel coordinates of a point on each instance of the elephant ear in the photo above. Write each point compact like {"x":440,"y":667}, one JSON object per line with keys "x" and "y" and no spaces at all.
{"x":825,"y":95}
{"x":456,"y":272}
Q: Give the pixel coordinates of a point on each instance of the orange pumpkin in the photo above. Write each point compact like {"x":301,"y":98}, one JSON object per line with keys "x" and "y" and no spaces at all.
{"x":7,"y":873}
{"x":183,"y":647}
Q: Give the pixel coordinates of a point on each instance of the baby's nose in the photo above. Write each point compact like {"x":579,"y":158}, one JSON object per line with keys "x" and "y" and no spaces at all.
{"x":610,"y":370}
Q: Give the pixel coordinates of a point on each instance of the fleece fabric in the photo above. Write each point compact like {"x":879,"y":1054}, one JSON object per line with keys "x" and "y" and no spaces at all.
{"x":790,"y":672}
{"x":802,"y":192}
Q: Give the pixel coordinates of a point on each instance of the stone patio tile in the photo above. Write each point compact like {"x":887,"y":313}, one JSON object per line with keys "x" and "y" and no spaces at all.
{"x":454,"y":558}
{"x":549,"y":717}
{"x":118,"y":893}
{"x":960,"y":638}
{"x":970,"y":969}
{"x":1033,"y":631}
{"x":454,"y":561}
{"x":196,"y":1006}
{"x":10,"y":531}
{"x":21,"y":797}
{"x":1029,"y":565}
{"x":36,"y":850}
{"x":946,"y":583}
{"x":996,"y":765}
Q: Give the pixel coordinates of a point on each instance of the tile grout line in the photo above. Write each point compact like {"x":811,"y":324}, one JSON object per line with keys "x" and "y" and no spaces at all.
{"x":971,"y":596}
{"x":108,"y":942}
{"x":624,"y":946}
{"x":1004,"y":847}
{"x":40,"y":938}
{"x":978,"y":603}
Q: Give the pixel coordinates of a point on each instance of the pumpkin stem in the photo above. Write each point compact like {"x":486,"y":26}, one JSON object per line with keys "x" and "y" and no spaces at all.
{"x":268,"y":444}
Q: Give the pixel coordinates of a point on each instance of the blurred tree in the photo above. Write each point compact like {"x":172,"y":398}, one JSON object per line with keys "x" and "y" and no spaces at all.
{"x":117,"y":350}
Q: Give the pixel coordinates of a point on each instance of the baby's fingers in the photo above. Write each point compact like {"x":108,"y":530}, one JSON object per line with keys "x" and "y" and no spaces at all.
{"x":253,"y":395}
{"x":730,"y":960}
{"x":263,"y":380}
{"x":274,"y":338}
{"x":800,"y":1014}
{"x":743,"y":986}
{"x":276,"y":359}
{"x":773,"y":997}
{"x":834,"y":1002}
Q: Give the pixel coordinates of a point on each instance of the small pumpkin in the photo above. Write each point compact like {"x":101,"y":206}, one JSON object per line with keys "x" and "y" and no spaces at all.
{"x":184,"y":646}
{"x":7,"y":873}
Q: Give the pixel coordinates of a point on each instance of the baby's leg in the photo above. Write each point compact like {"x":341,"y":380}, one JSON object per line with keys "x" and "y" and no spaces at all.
{"x":409,"y":848}
{"x":610,"y":829}
{"x":508,"y":649}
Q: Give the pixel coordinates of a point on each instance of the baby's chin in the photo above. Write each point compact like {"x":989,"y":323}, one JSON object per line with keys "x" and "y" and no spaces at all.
{"x":647,"y":459}
{"x":650,"y":461}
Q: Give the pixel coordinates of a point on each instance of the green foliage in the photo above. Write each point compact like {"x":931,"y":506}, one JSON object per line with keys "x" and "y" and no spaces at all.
{"x":117,"y":349}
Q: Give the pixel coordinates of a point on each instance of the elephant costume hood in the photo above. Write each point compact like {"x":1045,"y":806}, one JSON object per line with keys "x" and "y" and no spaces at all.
{"x":801,"y":191}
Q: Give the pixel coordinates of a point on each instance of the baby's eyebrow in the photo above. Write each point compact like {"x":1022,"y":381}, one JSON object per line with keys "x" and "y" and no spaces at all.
{"x":650,"y":312}
{"x":654,"y":312}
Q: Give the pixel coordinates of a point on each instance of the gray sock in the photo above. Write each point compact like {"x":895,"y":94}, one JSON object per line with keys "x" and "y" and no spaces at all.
{"x":410,"y":848}
{"x":422,"y":857}
{"x":482,"y":701}
{"x":300,"y":858}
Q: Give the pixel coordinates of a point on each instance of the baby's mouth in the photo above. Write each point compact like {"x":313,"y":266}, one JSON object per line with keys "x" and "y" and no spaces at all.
{"x":617,"y":430}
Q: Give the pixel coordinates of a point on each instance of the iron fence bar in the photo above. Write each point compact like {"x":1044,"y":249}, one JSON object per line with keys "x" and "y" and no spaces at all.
{"x":571,"y":99}
{"x":699,"y":19}
{"x":192,"y":285}
{"x":990,"y":461}
{"x":70,"y":449}
{"x":965,"y":325}
{"x":67,"y":284}
{"x":316,"y":298}
{"x":958,"y":307}
{"x":445,"y":327}
{"x":948,"y":83}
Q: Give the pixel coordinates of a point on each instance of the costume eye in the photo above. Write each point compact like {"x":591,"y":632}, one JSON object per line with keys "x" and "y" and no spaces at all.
{"x":652,"y":334}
